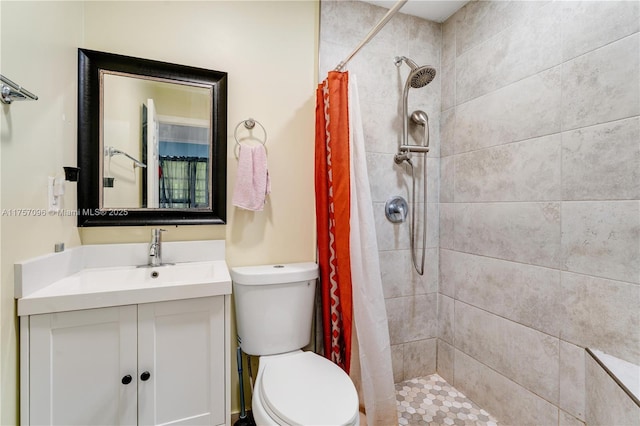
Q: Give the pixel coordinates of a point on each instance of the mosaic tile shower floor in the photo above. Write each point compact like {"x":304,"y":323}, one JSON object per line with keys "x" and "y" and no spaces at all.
{"x":431,"y":401}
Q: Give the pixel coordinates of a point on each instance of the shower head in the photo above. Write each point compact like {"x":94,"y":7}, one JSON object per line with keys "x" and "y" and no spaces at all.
{"x":420,"y":76}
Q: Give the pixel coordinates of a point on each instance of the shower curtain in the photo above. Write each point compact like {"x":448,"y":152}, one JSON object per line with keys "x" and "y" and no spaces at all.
{"x":355,"y":326}
{"x":183,"y":182}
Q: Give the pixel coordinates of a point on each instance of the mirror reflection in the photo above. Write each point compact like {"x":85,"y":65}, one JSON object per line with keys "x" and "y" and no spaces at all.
{"x":156,"y":141}
{"x":152,"y":142}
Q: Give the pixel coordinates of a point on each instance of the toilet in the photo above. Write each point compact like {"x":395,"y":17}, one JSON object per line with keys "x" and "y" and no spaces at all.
{"x":274,"y":310}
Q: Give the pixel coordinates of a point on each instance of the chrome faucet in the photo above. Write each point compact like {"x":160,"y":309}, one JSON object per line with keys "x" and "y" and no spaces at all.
{"x":155,"y":247}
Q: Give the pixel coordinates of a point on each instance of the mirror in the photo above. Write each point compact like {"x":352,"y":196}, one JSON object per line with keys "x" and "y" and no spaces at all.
{"x":151,"y":142}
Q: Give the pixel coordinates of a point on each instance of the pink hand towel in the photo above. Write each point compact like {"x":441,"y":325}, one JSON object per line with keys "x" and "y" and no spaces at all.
{"x":252,"y":178}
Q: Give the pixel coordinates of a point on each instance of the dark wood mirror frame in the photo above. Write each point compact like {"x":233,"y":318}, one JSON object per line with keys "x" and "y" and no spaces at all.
{"x":90,"y":213}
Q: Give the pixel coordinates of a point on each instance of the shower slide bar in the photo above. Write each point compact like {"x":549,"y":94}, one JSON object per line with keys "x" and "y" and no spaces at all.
{"x":10,"y":91}
{"x":396,"y":7}
{"x":413,"y":148}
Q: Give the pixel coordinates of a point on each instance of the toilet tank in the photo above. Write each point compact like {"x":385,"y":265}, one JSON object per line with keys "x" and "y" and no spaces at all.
{"x":274,"y":306}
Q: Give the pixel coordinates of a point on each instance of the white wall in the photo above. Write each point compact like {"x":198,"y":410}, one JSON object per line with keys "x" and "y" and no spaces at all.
{"x":269,"y":50}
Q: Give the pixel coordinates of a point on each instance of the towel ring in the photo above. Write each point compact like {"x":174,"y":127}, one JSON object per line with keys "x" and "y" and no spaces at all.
{"x":249,"y":124}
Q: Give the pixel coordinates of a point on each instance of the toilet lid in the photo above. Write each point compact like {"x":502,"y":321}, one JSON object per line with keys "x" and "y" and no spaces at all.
{"x":307,"y":389}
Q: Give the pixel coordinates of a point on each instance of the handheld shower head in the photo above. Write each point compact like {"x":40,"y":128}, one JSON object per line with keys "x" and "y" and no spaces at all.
{"x":419,"y":117}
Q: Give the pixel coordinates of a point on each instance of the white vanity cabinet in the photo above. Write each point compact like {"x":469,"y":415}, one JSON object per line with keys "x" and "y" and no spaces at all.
{"x":147,"y":364}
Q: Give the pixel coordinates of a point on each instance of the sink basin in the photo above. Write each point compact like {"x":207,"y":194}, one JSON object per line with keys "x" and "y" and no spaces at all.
{"x":114,"y":286}
{"x":168,"y":274}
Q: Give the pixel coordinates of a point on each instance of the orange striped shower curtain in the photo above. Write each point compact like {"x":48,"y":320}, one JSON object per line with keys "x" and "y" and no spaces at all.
{"x":356,"y":334}
{"x":332,"y":214}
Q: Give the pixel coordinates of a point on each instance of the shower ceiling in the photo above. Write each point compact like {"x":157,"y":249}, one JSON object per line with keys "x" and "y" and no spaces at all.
{"x":432,"y":10}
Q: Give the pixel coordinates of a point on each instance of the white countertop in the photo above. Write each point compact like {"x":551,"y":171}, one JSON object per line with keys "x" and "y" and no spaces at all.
{"x":107,"y":275}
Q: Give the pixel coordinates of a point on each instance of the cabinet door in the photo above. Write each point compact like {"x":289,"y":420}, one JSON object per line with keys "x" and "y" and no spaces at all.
{"x":77,"y":363}
{"x":181,"y":346}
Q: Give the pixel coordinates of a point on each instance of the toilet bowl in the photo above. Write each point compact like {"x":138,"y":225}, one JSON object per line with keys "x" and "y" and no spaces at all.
{"x":274,"y":311}
{"x":302,"y":388}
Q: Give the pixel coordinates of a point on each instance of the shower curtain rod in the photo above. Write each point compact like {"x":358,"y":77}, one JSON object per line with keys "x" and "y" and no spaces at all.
{"x":396,"y":7}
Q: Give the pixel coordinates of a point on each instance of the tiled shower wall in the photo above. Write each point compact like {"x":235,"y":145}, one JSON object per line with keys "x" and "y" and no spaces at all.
{"x":540,"y":210}
{"x":411,"y":300}
{"x":534,"y":175}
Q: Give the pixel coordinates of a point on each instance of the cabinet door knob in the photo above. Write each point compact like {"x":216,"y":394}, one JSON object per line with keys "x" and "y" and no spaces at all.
{"x":126,"y":379}
{"x":145,"y":376}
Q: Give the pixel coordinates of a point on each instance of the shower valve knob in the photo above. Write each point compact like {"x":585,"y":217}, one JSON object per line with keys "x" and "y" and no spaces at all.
{"x":396,"y":209}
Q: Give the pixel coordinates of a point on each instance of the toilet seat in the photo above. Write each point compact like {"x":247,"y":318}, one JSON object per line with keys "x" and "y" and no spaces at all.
{"x":306,"y":389}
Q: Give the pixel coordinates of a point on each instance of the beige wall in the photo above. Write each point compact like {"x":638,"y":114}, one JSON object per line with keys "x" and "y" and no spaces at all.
{"x":271,"y":78}
{"x":39,"y":42}
{"x":271,"y":61}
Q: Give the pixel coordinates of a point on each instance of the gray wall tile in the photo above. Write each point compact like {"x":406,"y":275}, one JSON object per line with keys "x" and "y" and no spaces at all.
{"x":448,"y":42}
{"x":447,"y":179}
{"x":518,"y":216}
{"x":572,"y":379}
{"x":421,"y":52}
{"x":446,"y":318}
{"x":526,"y":109}
{"x":492,"y":391}
{"x":448,"y":85}
{"x":448,"y":271}
{"x":334,"y":14}
{"x":399,"y":277}
{"x":397,"y":361}
{"x":478,"y":21}
{"x":526,"y":356}
{"x":447,"y":222}
{"x":447,"y":132}
{"x":516,"y":53}
{"x":602,"y":85}
{"x":567,"y":419}
{"x":602,"y":314}
{"x":520,"y":171}
{"x":510,"y":87}
{"x":386,"y":179}
{"x":523,"y":232}
{"x":444,"y":364}
{"x":602,"y":238}
{"x":412,"y":318}
{"x":587,"y":25}
{"x":382,"y":132}
{"x":601,"y":162}
{"x":529,"y":295}
{"x":420,"y":358}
